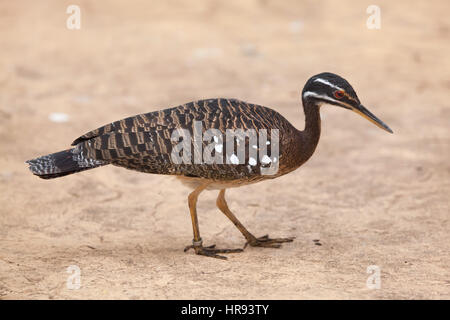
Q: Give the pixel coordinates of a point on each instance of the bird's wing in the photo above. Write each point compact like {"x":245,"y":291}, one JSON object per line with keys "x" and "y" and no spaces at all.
{"x":143,"y":142}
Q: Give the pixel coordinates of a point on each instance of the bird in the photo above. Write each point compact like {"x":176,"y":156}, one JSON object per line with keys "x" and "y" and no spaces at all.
{"x":161,"y":142}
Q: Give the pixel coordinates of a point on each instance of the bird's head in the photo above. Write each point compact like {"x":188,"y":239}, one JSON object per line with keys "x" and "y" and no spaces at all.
{"x":332,"y":89}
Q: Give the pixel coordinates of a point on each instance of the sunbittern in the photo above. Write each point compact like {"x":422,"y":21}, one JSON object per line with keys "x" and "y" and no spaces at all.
{"x":146,"y":143}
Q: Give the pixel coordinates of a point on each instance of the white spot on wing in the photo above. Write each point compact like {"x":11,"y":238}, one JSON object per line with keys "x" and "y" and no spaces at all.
{"x":234,"y":159}
{"x":266,"y":159}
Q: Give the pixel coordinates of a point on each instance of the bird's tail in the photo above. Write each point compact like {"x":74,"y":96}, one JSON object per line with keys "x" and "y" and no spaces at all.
{"x":62,"y":163}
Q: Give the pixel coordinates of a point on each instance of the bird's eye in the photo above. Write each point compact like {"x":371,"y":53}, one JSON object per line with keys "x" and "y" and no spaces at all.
{"x":339,"y":94}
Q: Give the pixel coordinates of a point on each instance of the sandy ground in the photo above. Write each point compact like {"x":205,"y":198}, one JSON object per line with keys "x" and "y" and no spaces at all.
{"x":370,"y":197}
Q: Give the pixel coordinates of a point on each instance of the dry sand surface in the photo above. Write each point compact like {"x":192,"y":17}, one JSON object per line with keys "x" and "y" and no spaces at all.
{"x":370,"y":197}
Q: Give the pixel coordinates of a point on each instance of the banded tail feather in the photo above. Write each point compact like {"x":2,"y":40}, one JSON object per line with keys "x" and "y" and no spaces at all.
{"x":62,"y":163}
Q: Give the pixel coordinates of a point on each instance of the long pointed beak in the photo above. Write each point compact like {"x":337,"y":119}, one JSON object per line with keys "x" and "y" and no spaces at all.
{"x":362,"y":111}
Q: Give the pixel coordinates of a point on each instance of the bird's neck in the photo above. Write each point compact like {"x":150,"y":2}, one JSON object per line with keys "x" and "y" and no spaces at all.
{"x":311,"y":134}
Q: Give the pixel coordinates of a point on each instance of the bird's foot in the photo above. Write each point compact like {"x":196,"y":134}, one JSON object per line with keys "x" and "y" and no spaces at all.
{"x":210,"y":251}
{"x":267,"y":242}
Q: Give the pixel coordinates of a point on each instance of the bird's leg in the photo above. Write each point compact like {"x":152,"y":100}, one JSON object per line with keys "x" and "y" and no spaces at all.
{"x":197,"y":243}
{"x":263,"y":241}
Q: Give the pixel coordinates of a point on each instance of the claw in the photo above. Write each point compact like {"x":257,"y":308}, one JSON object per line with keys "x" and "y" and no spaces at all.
{"x":266,"y":242}
{"x":211,"y":251}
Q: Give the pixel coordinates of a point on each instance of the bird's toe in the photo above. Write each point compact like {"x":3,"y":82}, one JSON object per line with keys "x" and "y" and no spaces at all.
{"x":267,"y":242}
{"x":211,"y":251}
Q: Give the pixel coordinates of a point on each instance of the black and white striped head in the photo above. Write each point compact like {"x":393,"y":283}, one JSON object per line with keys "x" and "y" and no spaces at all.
{"x":329,"y":88}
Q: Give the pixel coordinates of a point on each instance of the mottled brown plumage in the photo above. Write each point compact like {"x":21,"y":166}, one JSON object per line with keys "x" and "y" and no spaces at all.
{"x":145,"y":143}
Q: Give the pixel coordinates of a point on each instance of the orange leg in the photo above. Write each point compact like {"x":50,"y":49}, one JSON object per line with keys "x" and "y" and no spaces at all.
{"x":263,"y":241}
{"x":197,"y":243}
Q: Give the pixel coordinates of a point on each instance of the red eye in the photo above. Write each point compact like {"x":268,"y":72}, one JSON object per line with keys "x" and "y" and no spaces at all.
{"x":339,"y":94}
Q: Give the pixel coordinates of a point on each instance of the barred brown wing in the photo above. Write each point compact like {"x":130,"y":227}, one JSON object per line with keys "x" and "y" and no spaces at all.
{"x":143,"y":142}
